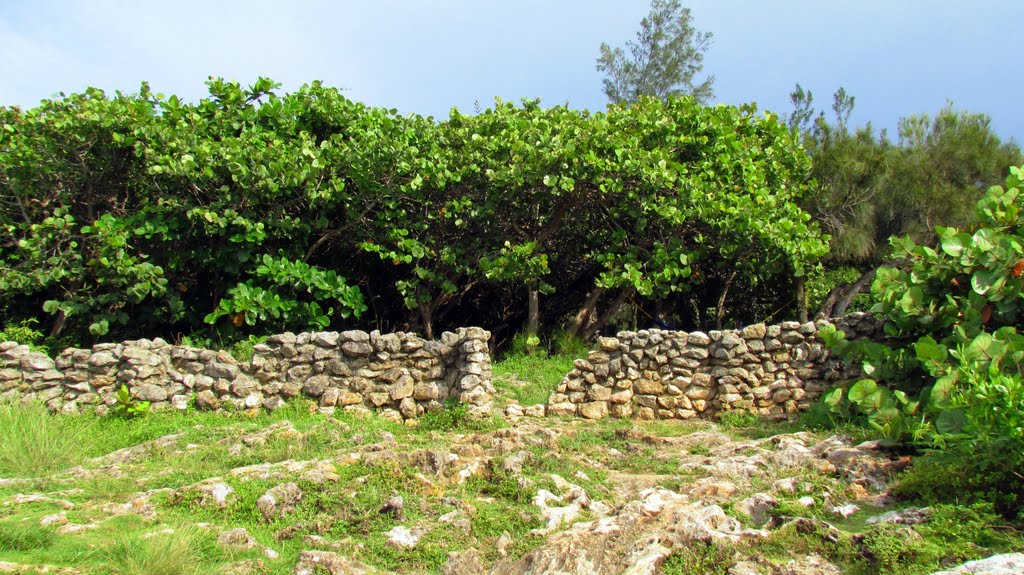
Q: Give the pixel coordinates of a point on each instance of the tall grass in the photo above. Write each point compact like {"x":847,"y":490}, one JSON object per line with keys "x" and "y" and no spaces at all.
{"x":179,"y":553}
{"x":34,"y":443}
{"x":24,"y":535}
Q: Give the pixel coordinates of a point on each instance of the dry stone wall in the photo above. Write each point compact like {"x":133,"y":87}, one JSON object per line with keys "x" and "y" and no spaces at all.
{"x":399,"y":374}
{"x":654,"y":374}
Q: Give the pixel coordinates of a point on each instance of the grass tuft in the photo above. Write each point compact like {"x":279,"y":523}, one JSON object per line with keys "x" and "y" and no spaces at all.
{"x":34,"y":443}
{"x":177,"y":553}
{"x":24,"y":536}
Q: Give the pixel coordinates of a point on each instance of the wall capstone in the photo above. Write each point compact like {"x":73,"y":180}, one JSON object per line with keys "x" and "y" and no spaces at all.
{"x":656,"y":374}
{"x":398,"y":374}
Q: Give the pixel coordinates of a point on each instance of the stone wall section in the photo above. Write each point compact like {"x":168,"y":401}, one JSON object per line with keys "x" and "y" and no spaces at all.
{"x":399,"y":374}
{"x":655,"y":374}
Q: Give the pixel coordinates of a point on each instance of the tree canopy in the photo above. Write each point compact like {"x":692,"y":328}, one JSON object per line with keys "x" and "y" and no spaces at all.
{"x":663,"y":61}
{"x":249,"y":212}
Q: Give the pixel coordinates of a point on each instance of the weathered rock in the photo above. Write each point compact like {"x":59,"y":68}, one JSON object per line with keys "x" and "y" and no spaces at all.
{"x":401,"y":537}
{"x":279,"y":500}
{"x":321,"y":562}
{"x":635,"y":540}
{"x":395,"y":508}
{"x":238,"y":538}
{"x":757,"y":507}
{"x":594,"y":410}
{"x":207,"y":400}
{"x":467,"y":562}
{"x":1008,"y":564}
{"x":151,"y":393}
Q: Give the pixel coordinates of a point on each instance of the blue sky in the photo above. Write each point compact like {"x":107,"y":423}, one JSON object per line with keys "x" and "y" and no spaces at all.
{"x":897,"y":57}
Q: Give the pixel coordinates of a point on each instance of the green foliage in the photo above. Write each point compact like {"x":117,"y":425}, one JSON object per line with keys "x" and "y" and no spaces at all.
{"x":951,"y":378}
{"x":453,"y":416}
{"x":565,"y":343}
{"x":699,"y":557}
{"x":738,"y":419}
{"x":968,"y":473}
{"x":24,"y":333}
{"x":127,"y":406}
{"x":667,"y":55}
{"x":249,"y":212}
{"x":34,"y":443}
{"x":244,"y":349}
{"x":252,"y":304}
{"x":527,"y":344}
{"x":888,"y":547}
{"x":820,"y":283}
{"x":869,"y":188}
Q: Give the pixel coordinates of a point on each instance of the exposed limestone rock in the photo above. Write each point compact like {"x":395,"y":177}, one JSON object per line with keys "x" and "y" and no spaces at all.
{"x":320,"y":562}
{"x":1008,"y":564}
{"x":279,"y":500}
{"x":401,"y":537}
{"x":636,"y":540}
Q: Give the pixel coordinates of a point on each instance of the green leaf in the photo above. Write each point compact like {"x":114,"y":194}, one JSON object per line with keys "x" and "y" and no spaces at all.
{"x":950,"y":422}
{"x":982,"y":280}
{"x":861,"y":390}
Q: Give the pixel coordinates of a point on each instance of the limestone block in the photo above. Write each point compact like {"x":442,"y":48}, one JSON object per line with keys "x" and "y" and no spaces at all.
{"x":594,"y":410}
{"x":620,"y":397}
{"x":564,"y":409}
{"x":648,"y":387}
{"x":316,"y":386}
{"x":621,"y":410}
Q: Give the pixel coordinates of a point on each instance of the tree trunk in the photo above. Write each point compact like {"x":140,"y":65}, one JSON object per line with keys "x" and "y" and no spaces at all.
{"x":592,"y":330}
{"x":579,"y":323}
{"x":801,"y":299}
{"x":720,"y":310}
{"x":825,"y":311}
{"x":427,"y":319}
{"x":533,"y":311}
{"x":858,"y":286}
{"x":58,"y":324}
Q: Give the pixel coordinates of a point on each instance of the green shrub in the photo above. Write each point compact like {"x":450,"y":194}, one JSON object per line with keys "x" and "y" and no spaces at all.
{"x":127,"y":406}
{"x":453,"y":416}
{"x":966,"y":529}
{"x":25,"y":333}
{"x":889,"y":547}
{"x":738,"y":419}
{"x":35,"y":443}
{"x":699,"y":557}
{"x":526,"y":344}
{"x":968,"y":474}
{"x":243,"y":350}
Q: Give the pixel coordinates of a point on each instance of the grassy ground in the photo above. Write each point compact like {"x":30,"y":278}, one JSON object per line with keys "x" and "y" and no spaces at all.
{"x":37,"y":449}
{"x":530,"y":379}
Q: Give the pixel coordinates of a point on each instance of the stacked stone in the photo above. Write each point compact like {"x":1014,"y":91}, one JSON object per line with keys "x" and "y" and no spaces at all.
{"x":399,"y":374}
{"x":654,"y":374}
{"x":473,"y":371}
{"x":29,"y":374}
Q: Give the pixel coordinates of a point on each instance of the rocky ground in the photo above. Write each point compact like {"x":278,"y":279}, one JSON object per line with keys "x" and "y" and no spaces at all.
{"x":306,"y":493}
